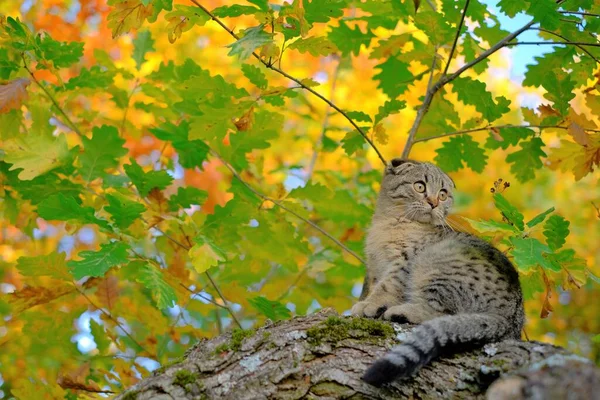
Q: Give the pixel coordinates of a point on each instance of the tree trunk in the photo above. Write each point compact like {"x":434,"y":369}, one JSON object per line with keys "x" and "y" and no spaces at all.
{"x":322,"y":356}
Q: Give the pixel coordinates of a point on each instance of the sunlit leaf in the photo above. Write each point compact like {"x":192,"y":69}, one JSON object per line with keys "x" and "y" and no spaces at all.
{"x":97,"y":263}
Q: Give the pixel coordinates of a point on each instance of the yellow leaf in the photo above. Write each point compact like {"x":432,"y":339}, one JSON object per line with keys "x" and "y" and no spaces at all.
{"x":380,"y":134}
{"x":580,"y":159}
{"x":128,"y":15}
{"x":203,"y":257}
{"x":13,"y":94}
{"x":35,"y":154}
{"x":177,"y":25}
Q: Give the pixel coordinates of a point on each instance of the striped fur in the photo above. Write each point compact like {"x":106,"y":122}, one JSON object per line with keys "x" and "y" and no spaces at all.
{"x":462,"y":290}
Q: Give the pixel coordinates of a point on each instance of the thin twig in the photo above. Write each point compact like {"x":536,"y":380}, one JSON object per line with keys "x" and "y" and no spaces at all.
{"x":553,"y":43}
{"x":318,"y":144}
{"x":109,"y":316}
{"x":422,"y":110}
{"x":449,"y":78}
{"x":580,"y":13}
{"x":462,"y":21}
{"x":282,"y":206}
{"x":130,"y":95}
{"x":566,"y":40}
{"x":298,"y":81}
{"x":52,"y":99}
{"x":490,"y":127}
{"x":214,"y":285}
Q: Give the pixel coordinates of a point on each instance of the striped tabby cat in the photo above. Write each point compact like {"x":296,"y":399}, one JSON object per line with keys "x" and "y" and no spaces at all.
{"x":460,"y":289}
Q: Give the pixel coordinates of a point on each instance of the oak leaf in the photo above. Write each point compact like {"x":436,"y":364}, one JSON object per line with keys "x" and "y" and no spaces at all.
{"x":13,"y":94}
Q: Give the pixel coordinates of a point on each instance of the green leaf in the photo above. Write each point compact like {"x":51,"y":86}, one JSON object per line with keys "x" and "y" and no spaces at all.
{"x":352,"y":142}
{"x":61,"y":54}
{"x":7,"y":65}
{"x":474,"y":92}
{"x":556,"y":230}
{"x":97,"y":263}
{"x":101,"y":152}
{"x":142,"y":44}
{"x":472,"y":50}
{"x":252,"y":40}
{"x":61,"y":207}
{"x":394,"y":77}
{"x":560,"y":90}
{"x":44,"y":186}
{"x":273,"y":310}
{"x":323,"y":10}
{"x":316,"y":46}
{"x":146,"y":181}
{"x":389,"y":107}
{"x":549,"y":63}
{"x":53,"y":265}
{"x":255,"y":75}
{"x":546,"y":13}
{"x":459,"y":149}
{"x":524,"y":162}
{"x":152,"y":278}
{"x":192,"y":153}
{"x":186,"y":197}
{"x":510,"y":212}
{"x":531,"y":284}
{"x":311,"y":191}
{"x":540,"y":218}
{"x":35,"y":154}
{"x":266,"y":127}
{"x":510,"y":137}
{"x":124,"y":211}
{"x":359,"y":116}
{"x":491,"y":226}
{"x":512,"y":7}
{"x":435,"y":26}
{"x":528,"y":253}
{"x":100,"y":337}
{"x":234,"y":10}
{"x":349,"y":40}
{"x":92,"y":78}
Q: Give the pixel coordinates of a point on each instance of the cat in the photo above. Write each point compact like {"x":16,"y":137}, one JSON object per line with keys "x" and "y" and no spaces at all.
{"x":459,"y":288}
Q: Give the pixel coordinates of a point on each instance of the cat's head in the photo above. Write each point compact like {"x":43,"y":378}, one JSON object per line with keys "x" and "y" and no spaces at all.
{"x":417,"y":191}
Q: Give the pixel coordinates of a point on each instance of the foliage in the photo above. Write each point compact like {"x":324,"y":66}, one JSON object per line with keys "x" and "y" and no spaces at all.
{"x":163,"y":177}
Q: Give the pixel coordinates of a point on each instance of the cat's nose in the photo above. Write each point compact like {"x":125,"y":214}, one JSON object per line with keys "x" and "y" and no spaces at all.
{"x":433,"y":202}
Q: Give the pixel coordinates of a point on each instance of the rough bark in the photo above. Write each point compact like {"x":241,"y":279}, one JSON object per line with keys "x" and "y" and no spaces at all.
{"x":323,"y":356}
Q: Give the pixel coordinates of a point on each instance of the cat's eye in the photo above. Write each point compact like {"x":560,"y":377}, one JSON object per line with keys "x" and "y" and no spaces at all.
{"x":419,"y":186}
{"x":443,"y":195}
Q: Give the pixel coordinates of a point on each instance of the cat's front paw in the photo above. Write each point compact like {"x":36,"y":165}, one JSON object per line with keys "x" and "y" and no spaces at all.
{"x":368,"y":309}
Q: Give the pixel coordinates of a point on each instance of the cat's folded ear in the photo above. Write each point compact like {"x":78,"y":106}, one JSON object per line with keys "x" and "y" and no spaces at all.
{"x":399,"y":165}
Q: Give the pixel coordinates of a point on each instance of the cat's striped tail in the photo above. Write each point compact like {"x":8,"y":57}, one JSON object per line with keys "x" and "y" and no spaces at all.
{"x":428,"y":340}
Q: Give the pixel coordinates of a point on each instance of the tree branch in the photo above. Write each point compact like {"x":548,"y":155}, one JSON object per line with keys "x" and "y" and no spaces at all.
{"x":580,"y":13}
{"x":490,"y":127}
{"x":298,"y":81}
{"x":566,"y":40}
{"x":578,"y":44}
{"x":52,"y":99}
{"x":282,"y":206}
{"x":423,"y":109}
{"x":462,"y":21}
{"x":449,"y":78}
{"x":109,"y":316}
{"x":313,"y":159}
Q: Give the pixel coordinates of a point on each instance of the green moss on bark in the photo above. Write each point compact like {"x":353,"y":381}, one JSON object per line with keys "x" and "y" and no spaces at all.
{"x":335,"y":329}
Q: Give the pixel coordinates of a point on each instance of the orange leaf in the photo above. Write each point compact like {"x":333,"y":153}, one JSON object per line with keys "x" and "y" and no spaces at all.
{"x":128,"y":15}
{"x":579,"y":135}
{"x":13,"y":94}
{"x":547,"y":111}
